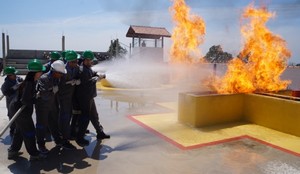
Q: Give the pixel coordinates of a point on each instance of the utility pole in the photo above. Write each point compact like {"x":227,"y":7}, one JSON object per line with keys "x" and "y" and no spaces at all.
{"x":3,"y":49}
{"x":63,"y":43}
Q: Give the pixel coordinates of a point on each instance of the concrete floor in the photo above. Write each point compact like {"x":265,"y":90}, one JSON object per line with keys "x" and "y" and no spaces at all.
{"x":134,"y":149}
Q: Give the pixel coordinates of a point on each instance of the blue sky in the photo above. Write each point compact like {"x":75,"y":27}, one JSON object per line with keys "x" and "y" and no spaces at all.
{"x":91,"y":24}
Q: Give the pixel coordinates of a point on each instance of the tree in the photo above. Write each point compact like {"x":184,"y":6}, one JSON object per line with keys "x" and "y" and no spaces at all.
{"x":216,"y":55}
{"x":116,"y":50}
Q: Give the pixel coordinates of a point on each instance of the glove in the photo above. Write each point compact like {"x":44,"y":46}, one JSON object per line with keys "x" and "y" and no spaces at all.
{"x":55,"y":89}
{"x":16,"y":86}
{"x":71,"y":82}
{"x":38,"y":95}
{"x":102,"y":76}
{"x":95,"y":78}
{"x":77,"y":82}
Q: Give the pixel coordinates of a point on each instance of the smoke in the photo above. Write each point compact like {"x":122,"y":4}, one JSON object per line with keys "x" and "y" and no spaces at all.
{"x":146,"y":80}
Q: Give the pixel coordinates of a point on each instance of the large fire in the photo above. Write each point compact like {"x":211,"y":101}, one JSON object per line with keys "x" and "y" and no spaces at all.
{"x":261,"y":61}
{"x":187,"y":35}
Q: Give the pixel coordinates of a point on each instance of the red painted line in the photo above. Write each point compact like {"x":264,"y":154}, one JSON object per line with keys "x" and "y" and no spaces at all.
{"x":273,"y":146}
{"x":180,"y":146}
{"x":209,"y":143}
{"x":157,"y":133}
{"x":212,"y":143}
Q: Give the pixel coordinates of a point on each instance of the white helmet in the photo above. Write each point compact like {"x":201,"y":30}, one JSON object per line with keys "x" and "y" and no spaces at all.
{"x":59,"y":66}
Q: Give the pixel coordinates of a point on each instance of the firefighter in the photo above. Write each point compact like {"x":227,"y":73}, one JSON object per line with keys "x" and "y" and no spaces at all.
{"x":46,"y":108}
{"x":66,"y":92}
{"x":25,"y":130}
{"x":9,"y":90}
{"x":53,"y":57}
{"x":63,"y":56}
{"x":86,"y":93}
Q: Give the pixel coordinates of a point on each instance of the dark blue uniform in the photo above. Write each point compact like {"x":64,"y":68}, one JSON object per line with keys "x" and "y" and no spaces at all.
{"x":9,"y":92}
{"x":85,"y":94}
{"x":25,"y":129}
{"x":66,"y":92}
{"x":47,"y":109}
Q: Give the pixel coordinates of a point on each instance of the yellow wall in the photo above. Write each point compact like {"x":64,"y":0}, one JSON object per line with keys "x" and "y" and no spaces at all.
{"x":275,"y":113}
{"x":206,"y":110}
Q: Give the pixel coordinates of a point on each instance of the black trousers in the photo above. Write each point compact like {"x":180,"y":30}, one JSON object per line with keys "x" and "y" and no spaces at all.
{"x":65,"y":113}
{"x":88,"y":113}
{"x":25,"y":131}
{"x":94,"y":118}
{"x":46,"y":116}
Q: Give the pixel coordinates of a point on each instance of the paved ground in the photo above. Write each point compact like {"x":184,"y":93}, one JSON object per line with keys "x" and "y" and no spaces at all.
{"x":134,"y":149}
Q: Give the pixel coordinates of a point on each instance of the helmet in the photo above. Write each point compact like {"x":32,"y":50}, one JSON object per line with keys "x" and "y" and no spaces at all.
{"x":10,"y":70}
{"x":63,"y":54}
{"x":35,"y":66}
{"x":55,"y":55}
{"x":71,"y":55}
{"x":59,"y":66}
{"x":88,"y":55}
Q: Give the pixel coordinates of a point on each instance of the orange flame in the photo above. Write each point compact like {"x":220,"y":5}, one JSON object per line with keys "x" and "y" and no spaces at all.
{"x":187,"y":35}
{"x":267,"y":56}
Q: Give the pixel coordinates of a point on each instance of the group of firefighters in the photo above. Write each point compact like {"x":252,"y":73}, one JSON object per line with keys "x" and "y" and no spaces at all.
{"x":62,"y":93}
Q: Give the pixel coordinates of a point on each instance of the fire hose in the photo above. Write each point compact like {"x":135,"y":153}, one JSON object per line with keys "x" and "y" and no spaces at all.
{"x":12,"y":120}
{"x":1,"y":97}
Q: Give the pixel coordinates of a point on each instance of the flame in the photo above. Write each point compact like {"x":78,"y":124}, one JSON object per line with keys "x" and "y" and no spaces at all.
{"x":187,"y":35}
{"x":262,"y":60}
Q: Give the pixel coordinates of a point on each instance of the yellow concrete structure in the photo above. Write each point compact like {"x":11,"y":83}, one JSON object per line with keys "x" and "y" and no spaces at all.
{"x":205,"y":110}
{"x":275,"y":113}
{"x":271,"y":112}
{"x":185,"y":137}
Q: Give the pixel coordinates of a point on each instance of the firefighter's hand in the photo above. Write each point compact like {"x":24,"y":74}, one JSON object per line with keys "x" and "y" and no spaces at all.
{"x":55,"y":89}
{"x":77,"y":82}
{"x":95,"y":79}
{"x":102,"y":76}
{"x":16,"y":86}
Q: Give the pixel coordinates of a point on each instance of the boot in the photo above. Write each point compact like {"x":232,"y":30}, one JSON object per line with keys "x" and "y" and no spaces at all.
{"x":102,"y":135}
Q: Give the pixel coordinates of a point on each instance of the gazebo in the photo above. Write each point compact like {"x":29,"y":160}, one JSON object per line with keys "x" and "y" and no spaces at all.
{"x":140,"y":33}
{"x":147,"y":42}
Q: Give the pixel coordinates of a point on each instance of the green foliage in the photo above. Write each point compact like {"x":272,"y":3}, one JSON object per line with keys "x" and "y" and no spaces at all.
{"x":116,"y":50}
{"x":216,"y":55}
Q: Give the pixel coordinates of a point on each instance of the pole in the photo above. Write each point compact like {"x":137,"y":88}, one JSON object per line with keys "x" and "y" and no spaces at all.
{"x":139,"y":41}
{"x":63,"y":43}
{"x":3,"y":44}
{"x":3,"y":49}
{"x":130,"y":50}
{"x":215,"y":70}
{"x":12,"y":120}
{"x":7,"y":44}
{"x":132,"y":42}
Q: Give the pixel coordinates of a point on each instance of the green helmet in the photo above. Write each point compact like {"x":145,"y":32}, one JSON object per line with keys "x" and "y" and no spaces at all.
{"x":10,"y":70}
{"x":63,"y":54}
{"x":55,"y":56}
{"x":35,"y":66}
{"x":88,"y":55}
{"x":71,"y":55}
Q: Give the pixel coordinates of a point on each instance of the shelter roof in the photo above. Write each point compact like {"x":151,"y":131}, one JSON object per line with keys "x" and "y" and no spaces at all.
{"x":147,"y":32}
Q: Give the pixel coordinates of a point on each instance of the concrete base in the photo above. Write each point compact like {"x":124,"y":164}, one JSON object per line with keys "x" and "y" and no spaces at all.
{"x":209,"y":109}
{"x":271,"y":112}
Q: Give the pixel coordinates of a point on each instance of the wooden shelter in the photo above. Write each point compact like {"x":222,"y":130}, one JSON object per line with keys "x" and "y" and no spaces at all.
{"x":138,"y":33}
